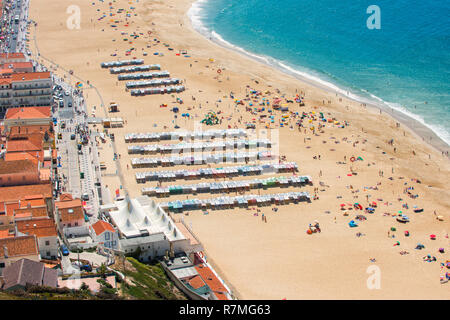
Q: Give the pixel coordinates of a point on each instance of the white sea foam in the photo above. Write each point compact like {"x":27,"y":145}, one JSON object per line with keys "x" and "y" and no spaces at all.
{"x":196,"y":13}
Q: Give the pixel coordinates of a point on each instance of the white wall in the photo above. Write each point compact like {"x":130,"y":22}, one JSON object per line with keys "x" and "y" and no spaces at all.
{"x":52,"y":248}
{"x":79,"y":231}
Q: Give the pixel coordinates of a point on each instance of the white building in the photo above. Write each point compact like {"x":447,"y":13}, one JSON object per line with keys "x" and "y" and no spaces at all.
{"x":104,"y":233}
{"x":26,"y":89}
{"x":143,"y":224}
{"x":45,"y":231}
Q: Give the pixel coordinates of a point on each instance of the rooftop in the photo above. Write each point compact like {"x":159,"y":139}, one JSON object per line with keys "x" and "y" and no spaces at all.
{"x":142,"y":214}
{"x":31,"y":212}
{"x":33,"y":156}
{"x":19,"y":246}
{"x":22,"y":192}
{"x":71,"y":214}
{"x":17,"y":166}
{"x":42,"y":227}
{"x":30,"y":142}
{"x":68,"y":203}
{"x":211,"y":280}
{"x":27,"y":271}
{"x":101,"y":226}
{"x":29,"y":76}
{"x":28,"y":113}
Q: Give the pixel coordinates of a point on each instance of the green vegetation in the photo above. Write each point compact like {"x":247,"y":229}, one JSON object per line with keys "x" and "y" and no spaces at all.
{"x":148,"y":282}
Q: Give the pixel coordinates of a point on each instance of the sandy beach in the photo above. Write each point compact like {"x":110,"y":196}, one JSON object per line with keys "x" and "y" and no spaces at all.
{"x":275,"y":259}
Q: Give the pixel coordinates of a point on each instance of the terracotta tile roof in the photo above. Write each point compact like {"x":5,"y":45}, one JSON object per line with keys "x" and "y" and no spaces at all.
{"x":32,"y":201}
{"x":17,"y":65}
{"x":44,"y":173}
{"x":19,"y":246}
{"x":11,"y":207}
{"x":28,"y":113}
{"x":6,"y":71}
{"x":65,"y":197}
{"x":68,"y":203}
{"x":31,"y":212}
{"x":41,"y":227}
{"x":5,"y":81}
{"x":17,"y":166}
{"x":101,"y":226}
{"x":211,"y":280}
{"x":5,"y":234}
{"x":70,"y":210}
{"x":17,"y":131}
{"x":28,"y":76}
{"x":196,"y":282}
{"x":33,"y":156}
{"x":71,"y":214}
{"x":44,"y":190}
{"x":30,"y":142}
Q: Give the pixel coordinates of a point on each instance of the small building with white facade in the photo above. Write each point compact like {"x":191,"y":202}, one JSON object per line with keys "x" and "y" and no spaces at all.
{"x":104,"y":234}
{"x":146,"y":227}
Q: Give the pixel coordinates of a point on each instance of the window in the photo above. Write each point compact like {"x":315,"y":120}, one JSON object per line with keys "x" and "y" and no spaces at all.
{"x":2,"y":264}
{"x":76,"y":223}
{"x":47,"y":243}
{"x":48,"y":253}
{"x":106,"y":235}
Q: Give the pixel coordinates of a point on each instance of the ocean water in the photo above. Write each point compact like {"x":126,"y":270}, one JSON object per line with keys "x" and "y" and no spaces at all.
{"x":403,"y":65}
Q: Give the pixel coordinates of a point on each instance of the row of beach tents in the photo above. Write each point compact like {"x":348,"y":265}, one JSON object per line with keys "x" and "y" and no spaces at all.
{"x":199,"y":146}
{"x":232,"y":171}
{"x":238,"y":201}
{"x":147,"y":67}
{"x":177,"y":135}
{"x":121,"y":63}
{"x":143,"y":75}
{"x":227,"y":186}
{"x":146,"y":91}
{"x":152,"y":83}
{"x":201,"y":159}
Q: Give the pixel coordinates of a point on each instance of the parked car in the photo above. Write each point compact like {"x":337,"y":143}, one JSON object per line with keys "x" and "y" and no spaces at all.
{"x":86,"y":268}
{"x":64,"y":250}
{"x":72,"y":137}
{"x":61,"y":104}
{"x":85,"y":197}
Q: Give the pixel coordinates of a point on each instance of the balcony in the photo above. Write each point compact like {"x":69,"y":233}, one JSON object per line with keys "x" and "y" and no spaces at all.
{"x":33,"y":94}
{"x":42,"y":86}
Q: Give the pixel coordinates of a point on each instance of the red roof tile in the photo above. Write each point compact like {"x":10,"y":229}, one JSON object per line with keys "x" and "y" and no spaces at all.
{"x":42,"y":227}
{"x":19,"y":246}
{"x":28,"y":76}
{"x":17,"y":166}
{"x":211,"y":280}
{"x":21,"y":192}
{"x":28,"y":113}
{"x":101,"y":226}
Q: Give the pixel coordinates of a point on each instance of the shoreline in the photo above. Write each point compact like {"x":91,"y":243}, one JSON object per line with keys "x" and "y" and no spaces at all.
{"x":424,"y":132}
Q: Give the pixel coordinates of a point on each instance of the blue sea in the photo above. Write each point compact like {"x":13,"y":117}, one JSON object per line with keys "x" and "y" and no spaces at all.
{"x":405,"y":64}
